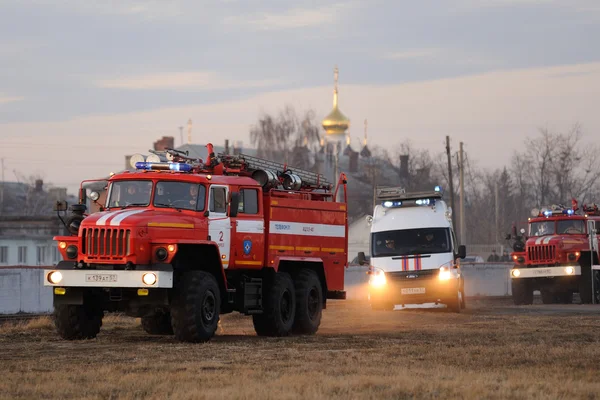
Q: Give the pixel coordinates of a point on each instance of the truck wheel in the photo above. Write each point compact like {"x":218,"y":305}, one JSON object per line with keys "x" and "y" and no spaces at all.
{"x":585,"y":285}
{"x":522,"y":293}
{"x":455,"y":304}
{"x":158,"y":324}
{"x":565,"y":297}
{"x":76,"y":322}
{"x":309,"y":303}
{"x":195,"y":307}
{"x":548,"y":297}
{"x":279,"y":306}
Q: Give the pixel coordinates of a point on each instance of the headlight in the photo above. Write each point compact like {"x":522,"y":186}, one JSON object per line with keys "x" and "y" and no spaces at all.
{"x":55,"y":277}
{"x":71,"y":251}
{"x":445,"y":274}
{"x":516,"y":273}
{"x":570,"y":270}
{"x":377,"y":278}
{"x":149,"y":278}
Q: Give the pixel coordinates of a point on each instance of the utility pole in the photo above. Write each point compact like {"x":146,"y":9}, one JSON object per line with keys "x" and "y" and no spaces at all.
{"x":450,"y":180}
{"x":463,"y":230}
{"x":497,"y":209}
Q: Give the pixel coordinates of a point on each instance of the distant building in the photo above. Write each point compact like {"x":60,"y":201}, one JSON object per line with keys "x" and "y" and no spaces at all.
{"x":27,"y":240}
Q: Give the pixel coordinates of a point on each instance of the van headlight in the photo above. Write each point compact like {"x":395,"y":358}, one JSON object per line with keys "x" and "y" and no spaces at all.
{"x":444,"y":274}
{"x":377,"y":278}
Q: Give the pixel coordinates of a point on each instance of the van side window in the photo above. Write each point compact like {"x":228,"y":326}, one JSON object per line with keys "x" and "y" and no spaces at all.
{"x":248,"y":201}
{"x":218,"y":200}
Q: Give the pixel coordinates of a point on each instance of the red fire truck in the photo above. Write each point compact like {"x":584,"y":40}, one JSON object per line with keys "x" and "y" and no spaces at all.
{"x":180,"y":241}
{"x":560,"y":256}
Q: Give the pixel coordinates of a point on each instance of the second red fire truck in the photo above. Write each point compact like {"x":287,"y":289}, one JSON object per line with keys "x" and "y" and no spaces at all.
{"x":181,"y":241}
{"x":560,"y":255}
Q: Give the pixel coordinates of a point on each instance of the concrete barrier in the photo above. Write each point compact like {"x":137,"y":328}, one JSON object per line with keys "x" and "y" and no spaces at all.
{"x":22,"y":291}
{"x":481,"y":279}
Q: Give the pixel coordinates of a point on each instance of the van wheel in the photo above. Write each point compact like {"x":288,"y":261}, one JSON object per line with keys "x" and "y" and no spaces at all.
{"x":455,"y":304}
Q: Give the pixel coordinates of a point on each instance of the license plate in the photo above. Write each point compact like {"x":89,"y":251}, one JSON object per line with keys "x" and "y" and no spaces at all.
{"x":416,"y":290}
{"x":101,"y":277}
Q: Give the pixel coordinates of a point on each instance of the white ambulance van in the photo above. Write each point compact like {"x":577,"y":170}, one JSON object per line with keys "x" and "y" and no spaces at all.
{"x":414,"y":252}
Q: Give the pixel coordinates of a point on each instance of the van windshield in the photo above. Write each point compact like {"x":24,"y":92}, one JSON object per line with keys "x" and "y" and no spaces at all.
{"x":410,"y":241}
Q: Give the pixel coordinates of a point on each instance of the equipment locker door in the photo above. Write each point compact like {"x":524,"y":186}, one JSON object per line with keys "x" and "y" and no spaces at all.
{"x":249,"y":242}
{"x":219,"y":223}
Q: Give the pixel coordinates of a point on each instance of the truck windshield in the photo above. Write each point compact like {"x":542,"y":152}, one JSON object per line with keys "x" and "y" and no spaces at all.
{"x":410,"y":241}
{"x":541,"y":228}
{"x":570,"y":227}
{"x":130,"y":193}
{"x":180,"y":195}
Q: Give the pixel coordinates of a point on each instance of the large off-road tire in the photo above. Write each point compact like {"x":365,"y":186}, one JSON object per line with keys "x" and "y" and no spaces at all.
{"x":195,"y":307}
{"x":565,"y":297}
{"x":77,"y":322}
{"x":522,"y":294}
{"x":309,"y":303}
{"x":279,"y":308}
{"x":548,"y":297}
{"x":585,"y":283}
{"x":158,"y":324}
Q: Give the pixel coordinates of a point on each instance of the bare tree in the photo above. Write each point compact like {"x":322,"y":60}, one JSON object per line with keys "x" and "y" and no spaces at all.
{"x":278,"y":138}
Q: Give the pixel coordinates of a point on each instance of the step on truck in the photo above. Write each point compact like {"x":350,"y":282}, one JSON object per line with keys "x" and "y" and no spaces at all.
{"x":181,"y":241}
{"x":414,"y":251}
{"x":560,"y":256}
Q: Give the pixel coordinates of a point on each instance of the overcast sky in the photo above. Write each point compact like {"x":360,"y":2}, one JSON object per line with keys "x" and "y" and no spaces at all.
{"x":83,"y":82}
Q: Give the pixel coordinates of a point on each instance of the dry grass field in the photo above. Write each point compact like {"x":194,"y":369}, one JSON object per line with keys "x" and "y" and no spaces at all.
{"x":491,"y":351}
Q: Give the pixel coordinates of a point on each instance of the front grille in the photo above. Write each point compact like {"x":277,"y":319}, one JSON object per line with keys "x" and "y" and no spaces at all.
{"x":544,"y":252}
{"x":105,"y":242}
{"x":407,"y":276}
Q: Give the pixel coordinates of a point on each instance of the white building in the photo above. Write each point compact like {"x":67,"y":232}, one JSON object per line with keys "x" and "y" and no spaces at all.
{"x":28,"y":240}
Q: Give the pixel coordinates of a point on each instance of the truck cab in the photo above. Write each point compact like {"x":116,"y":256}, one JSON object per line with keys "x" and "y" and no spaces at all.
{"x":561,"y":249}
{"x":414,"y":251}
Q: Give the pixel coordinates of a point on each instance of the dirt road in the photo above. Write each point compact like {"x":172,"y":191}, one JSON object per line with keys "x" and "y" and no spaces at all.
{"x":493,"y":350}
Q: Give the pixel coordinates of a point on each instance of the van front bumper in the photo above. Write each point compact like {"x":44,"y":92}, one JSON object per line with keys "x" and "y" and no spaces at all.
{"x":416,"y":287}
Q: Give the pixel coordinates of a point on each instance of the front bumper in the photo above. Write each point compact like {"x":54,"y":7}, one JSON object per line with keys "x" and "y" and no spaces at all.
{"x":545,"y":272}
{"x":109,"y":278}
{"x":416,"y":287}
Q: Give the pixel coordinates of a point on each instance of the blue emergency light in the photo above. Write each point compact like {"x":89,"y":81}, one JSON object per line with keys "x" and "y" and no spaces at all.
{"x":437,"y":189}
{"x":180,"y":167}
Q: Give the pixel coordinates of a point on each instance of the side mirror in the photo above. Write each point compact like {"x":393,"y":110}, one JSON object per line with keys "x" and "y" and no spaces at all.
{"x":60,"y":206}
{"x":462,"y":251}
{"x":206,"y":213}
{"x":362,"y":260}
{"x":234,"y":204}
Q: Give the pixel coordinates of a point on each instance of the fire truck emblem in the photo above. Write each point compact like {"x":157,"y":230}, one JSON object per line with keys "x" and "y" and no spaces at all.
{"x":247,"y":247}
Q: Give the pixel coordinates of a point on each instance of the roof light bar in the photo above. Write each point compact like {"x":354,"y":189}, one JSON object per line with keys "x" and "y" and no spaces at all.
{"x":162,"y":166}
